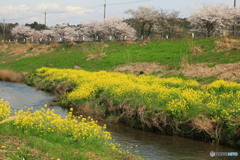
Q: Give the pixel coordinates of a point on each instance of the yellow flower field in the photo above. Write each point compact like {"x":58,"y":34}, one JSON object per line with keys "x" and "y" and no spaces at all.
{"x":146,"y":99}
{"x":181,"y":98}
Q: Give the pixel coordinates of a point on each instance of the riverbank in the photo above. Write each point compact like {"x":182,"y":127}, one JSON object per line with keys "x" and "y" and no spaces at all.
{"x":205,"y":59}
{"x":45,"y":135}
{"x":170,"y":106}
{"x":11,"y":76}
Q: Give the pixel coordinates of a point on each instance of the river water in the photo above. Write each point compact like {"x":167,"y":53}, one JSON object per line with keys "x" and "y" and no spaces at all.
{"x":149,"y":145}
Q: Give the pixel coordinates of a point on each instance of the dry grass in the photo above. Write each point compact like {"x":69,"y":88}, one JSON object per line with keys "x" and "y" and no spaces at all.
{"x":196,"y":51}
{"x":140,"y":43}
{"x":204,"y":124}
{"x":227,"y":44}
{"x":19,"y":51}
{"x":62,"y":88}
{"x":230,"y":71}
{"x":184,"y":63}
{"x":11,"y":76}
{"x":96,"y":51}
{"x":98,"y":56}
{"x":136,"y":68}
{"x":127,"y":43}
{"x":16,"y":48}
{"x":71,"y":43}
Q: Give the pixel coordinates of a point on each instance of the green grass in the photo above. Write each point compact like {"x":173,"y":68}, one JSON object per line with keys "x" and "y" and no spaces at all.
{"x":20,"y":145}
{"x":202,"y":80}
{"x":167,"y":53}
{"x":65,"y":56}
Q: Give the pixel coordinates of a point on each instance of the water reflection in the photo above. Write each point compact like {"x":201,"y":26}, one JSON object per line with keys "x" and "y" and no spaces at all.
{"x":159,"y":147}
{"x":21,"y":95}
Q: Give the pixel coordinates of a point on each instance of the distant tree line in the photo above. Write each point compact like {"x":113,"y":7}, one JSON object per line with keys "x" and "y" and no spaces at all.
{"x":143,"y":23}
{"x":108,"y":29}
{"x":209,"y":20}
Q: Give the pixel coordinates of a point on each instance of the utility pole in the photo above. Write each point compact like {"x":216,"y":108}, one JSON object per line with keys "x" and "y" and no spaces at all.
{"x":4,"y":29}
{"x":234,"y":18}
{"x":105,"y":6}
{"x":45,"y":19}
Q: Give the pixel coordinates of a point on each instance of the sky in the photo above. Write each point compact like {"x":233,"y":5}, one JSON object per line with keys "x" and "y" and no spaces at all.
{"x":83,"y":11}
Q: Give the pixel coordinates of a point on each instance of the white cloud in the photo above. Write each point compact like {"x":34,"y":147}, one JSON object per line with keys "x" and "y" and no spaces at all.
{"x":11,"y":9}
{"x":34,"y":18}
{"x":47,"y":6}
{"x":194,"y":6}
{"x":30,"y":13}
{"x":77,"y":10}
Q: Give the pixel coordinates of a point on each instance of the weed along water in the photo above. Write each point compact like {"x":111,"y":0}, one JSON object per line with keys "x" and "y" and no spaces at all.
{"x":148,"y":145}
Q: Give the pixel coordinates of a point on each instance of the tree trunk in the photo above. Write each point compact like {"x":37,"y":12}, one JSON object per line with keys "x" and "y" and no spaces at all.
{"x":149,"y":30}
{"x":142,"y":29}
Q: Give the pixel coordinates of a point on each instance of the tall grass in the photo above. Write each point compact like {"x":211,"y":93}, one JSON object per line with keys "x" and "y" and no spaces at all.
{"x":11,"y":76}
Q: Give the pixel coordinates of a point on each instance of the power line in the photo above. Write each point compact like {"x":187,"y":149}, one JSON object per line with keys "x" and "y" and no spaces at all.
{"x":14,"y":19}
{"x":129,"y":2}
{"x":111,"y":4}
{"x":45,"y":15}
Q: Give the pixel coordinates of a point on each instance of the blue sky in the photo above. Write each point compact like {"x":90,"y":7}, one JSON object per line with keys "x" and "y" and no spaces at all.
{"x":78,"y":11}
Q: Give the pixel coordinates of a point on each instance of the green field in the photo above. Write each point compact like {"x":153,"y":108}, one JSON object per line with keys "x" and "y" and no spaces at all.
{"x":172,"y":54}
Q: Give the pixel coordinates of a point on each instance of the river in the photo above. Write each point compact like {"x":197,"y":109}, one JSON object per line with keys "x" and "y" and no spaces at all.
{"x":150,"y":145}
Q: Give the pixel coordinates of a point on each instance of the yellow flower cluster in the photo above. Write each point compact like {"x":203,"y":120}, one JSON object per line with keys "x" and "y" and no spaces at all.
{"x":174,"y":95}
{"x":45,"y":121}
{"x":224,"y":85}
{"x":5,"y":109}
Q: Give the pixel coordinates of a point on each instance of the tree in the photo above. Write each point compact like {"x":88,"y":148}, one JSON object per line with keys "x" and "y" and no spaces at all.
{"x":21,"y":32}
{"x":93,"y":31}
{"x":65,"y":32}
{"x":143,"y":19}
{"x":117,"y":28}
{"x":213,"y":19}
{"x":48,"y":34}
{"x":35,"y":35}
{"x":5,"y":30}
{"x":36,"y":26}
{"x":168,"y":23}
{"x":102,"y":30}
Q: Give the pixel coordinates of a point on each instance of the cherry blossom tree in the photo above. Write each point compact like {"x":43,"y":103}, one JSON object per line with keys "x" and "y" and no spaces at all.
{"x":93,"y":31}
{"x":48,"y":35}
{"x":111,"y":27}
{"x":65,"y":32}
{"x":22,"y":32}
{"x":98,"y":30}
{"x":144,"y":18}
{"x":35,"y":35}
{"x":117,"y":28}
{"x":214,"y":19}
{"x":168,"y":23}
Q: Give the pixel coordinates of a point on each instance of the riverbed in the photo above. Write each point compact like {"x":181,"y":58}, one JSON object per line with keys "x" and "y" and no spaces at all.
{"x":149,"y":145}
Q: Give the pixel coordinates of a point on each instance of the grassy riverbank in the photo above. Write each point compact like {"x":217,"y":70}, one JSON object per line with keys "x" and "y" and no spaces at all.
{"x":207,"y":56}
{"x":11,"y":76}
{"x":44,"y":135}
{"x":208,"y":110}
{"x":170,"y":106}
